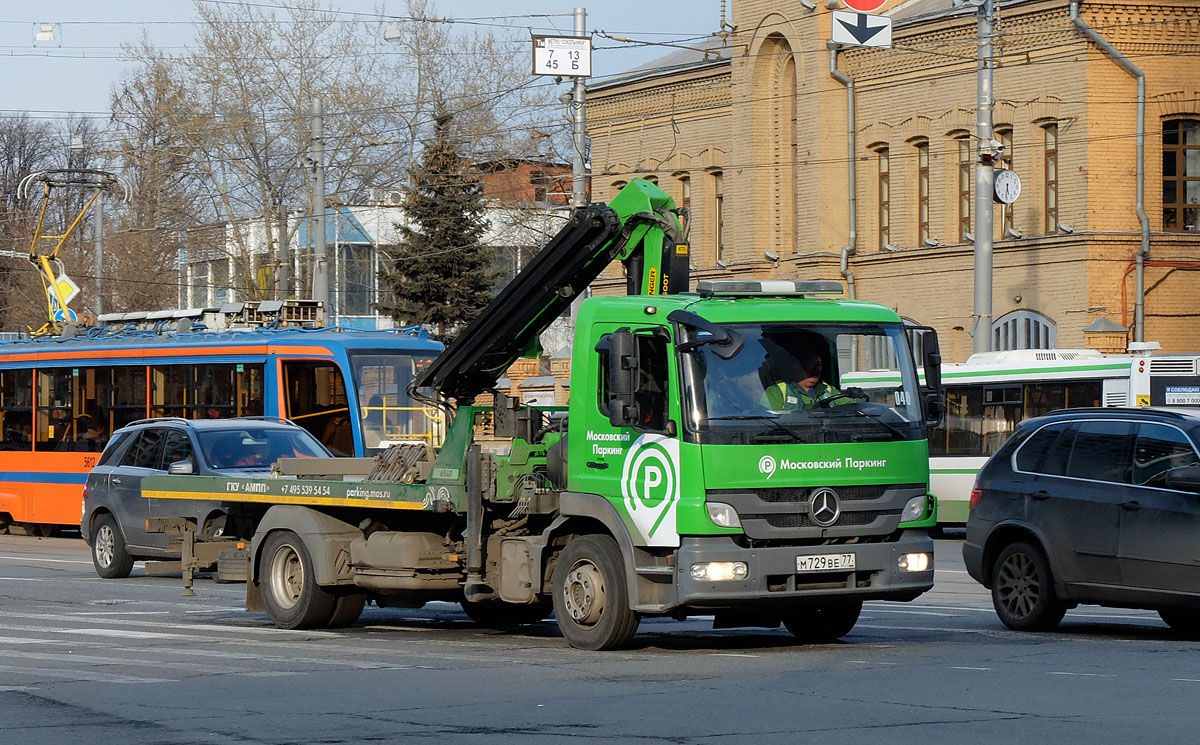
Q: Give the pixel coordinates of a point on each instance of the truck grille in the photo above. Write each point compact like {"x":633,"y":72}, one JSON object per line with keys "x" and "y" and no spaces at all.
{"x":866,"y":510}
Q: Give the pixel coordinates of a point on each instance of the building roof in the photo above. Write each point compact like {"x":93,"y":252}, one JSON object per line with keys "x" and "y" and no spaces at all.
{"x":705,"y":53}
{"x":341,"y":227}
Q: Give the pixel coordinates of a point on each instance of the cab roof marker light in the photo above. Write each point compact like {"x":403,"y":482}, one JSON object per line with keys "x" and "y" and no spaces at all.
{"x":707,"y":288}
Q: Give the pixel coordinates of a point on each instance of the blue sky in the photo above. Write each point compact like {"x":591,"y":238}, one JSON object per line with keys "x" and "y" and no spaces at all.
{"x":75,"y":73}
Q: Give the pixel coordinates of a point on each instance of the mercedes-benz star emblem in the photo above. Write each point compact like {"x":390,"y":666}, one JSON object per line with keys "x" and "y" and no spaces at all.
{"x":824,"y":506}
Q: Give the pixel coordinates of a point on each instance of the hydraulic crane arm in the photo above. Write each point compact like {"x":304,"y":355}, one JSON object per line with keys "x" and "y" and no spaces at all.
{"x":639,"y":227}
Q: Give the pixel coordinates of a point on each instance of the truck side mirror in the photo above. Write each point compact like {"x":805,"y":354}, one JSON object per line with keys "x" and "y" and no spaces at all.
{"x":623,"y":366}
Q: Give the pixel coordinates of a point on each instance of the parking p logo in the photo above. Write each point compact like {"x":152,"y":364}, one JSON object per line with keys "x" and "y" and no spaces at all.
{"x":650,"y":488}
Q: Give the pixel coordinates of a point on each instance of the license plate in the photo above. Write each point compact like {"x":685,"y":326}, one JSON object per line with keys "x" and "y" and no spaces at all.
{"x":824,"y":563}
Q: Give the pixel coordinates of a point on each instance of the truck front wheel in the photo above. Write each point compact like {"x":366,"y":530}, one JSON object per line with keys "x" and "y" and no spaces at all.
{"x":290,"y":591}
{"x":591,"y":602}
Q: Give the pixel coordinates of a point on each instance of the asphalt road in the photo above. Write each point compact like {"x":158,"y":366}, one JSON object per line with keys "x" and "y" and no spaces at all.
{"x":131,"y":662}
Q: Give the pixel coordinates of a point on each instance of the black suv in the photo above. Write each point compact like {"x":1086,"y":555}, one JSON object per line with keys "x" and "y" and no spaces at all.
{"x":114,"y":511}
{"x":1091,"y":506}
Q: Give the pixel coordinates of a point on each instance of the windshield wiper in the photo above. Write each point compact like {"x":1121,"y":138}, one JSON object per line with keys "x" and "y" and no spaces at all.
{"x":899,"y":433}
{"x":760,"y":418}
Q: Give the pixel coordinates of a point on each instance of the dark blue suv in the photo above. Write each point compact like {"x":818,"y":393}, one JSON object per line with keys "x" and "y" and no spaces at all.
{"x":1091,"y":506}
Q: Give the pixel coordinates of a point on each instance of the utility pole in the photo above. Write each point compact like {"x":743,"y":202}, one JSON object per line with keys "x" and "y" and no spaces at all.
{"x":283,"y":256}
{"x":984,"y":180}
{"x":320,"y":269}
{"x":579,"y":117}
{"x":98,"y":264}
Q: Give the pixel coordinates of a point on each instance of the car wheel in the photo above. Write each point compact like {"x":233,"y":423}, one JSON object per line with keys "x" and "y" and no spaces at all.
{"x":1184,"y":620}
{"x":591,"y":603}
{"x":1023,"y":590}
{"x":822,"y":623}
{"x":290,"y":591}
{"x":109,"y":556}
{"x":498,"y":614}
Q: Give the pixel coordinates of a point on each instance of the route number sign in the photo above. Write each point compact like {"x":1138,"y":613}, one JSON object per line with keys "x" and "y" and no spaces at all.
{"x":864,"y":6}
{"x":562,"y":56}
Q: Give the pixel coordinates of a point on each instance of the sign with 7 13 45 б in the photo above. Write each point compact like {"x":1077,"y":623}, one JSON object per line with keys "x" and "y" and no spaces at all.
{"x":562,"y":56}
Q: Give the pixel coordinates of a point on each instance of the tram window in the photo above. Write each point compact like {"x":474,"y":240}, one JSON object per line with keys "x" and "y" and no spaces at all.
{"x":207,"y":391}
{"x":55,"y":392}
{"x":16,"y":409}
{"x":386,"y":412}
{"x":317,"y":401}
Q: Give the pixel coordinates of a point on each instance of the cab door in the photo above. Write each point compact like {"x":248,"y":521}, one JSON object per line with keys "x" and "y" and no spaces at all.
{"x":636,"y":466}
{"x":1160,"y":527}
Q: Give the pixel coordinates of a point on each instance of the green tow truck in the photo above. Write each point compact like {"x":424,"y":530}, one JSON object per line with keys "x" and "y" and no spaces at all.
{"x":669,"y":487}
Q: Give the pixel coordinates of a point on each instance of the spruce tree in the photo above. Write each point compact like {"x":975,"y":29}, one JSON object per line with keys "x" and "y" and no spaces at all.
{"x":440,"y":275}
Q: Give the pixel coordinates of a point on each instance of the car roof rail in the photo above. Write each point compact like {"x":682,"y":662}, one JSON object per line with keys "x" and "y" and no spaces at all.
{"x":266,"y":418}
{"x":159,"y":420}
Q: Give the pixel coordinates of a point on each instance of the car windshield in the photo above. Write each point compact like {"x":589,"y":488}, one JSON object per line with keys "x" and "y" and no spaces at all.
{"x":257,"y":447}
{"x":812,"y":383}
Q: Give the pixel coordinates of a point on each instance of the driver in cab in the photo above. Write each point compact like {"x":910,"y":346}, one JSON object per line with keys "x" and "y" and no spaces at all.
{"x":803,"y":387}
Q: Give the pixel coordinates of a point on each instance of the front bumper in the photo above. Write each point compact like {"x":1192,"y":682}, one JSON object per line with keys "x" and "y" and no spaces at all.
{"x":772,"y":578}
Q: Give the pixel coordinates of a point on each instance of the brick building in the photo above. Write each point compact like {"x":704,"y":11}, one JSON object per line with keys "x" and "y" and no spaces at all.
{"x":754,"y":133}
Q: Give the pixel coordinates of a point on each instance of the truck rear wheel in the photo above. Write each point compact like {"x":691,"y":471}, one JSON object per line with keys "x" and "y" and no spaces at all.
{"x":591,"y":602}
{"x":346,"y":609}
{"x":290,"y":591}
{"x":823,"y":623}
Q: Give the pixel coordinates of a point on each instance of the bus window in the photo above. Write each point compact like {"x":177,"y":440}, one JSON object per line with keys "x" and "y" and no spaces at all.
{"x":316,"y":400}
{"x":1001,"y":414}
{"x":962,"y":432}
{"x":16,"y":409}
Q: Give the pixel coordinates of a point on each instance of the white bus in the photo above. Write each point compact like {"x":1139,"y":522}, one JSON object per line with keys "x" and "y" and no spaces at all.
{"x":992,"y":392}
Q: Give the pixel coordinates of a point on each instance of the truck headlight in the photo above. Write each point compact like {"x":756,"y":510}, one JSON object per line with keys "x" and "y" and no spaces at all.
{"x":723,"y":515}
{"x":913,"y":509}
{"x":915,"y":562}
{"x":719,"y":571}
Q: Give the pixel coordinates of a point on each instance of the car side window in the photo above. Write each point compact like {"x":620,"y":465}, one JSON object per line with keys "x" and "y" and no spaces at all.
{"x":1033,"y":453}
{"x":177,"y":447}
{"x":1102,"y":452}
{"x":1159,"y":448}
{"x":1059,"y":456}
{"x":146,"y":450}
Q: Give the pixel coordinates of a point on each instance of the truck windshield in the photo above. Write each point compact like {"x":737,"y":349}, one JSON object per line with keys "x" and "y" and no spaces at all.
{"x":807,"y":383}
{"x":387,"y":414}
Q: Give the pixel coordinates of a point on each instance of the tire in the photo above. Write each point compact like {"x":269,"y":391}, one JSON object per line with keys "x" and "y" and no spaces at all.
{"x":1185,"y":621}
{"x":591,"y":601}
{"x":1023,"y":590}
{"x":497,"y":614}
{"x":347,"y":607}
{"x":823,"y":623}
{"x":109,"y":556}
{"x":290,"y":591}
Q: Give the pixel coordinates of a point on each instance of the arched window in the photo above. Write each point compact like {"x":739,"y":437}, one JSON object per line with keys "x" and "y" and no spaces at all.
{"x":1023,"y":329}
{"x":966,"y":178}
{"x":883,"y":155}
{"x":1004,"y":135}
{"x":923,"y":234}
{"x":1181,"y":175}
